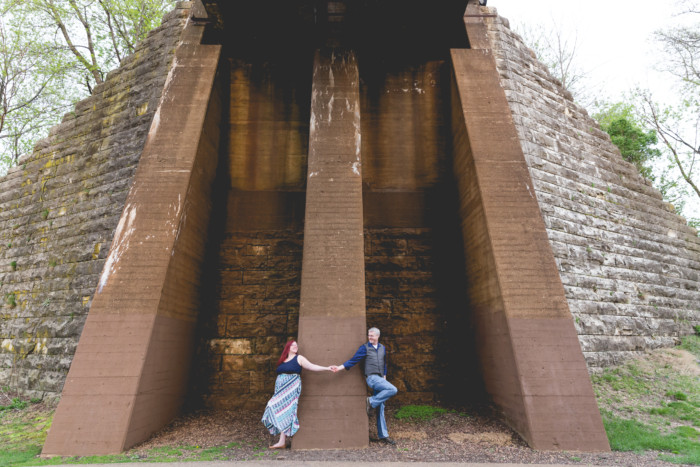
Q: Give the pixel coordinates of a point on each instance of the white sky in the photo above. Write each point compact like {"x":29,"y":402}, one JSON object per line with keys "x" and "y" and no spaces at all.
{"x":614,"y":43}
{"x":613,"y":37}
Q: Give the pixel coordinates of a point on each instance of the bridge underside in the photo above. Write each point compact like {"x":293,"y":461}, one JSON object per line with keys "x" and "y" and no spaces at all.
{"x":322,"y":167}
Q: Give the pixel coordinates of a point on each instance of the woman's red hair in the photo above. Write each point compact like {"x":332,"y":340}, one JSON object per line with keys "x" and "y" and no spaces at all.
{"x":285,"y":352}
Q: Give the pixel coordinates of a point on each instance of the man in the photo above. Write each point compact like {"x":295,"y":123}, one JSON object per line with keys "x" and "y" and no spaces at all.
{"x":374,"y":356}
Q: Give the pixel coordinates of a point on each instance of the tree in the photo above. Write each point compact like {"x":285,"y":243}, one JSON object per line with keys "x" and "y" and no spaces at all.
{"x":678,"y":124}
{"x":53,"y":52}
{"x":558,"y":51}
{"x":637,"y":144}
{"x":30,"y":88}
{"x":678,"y":128}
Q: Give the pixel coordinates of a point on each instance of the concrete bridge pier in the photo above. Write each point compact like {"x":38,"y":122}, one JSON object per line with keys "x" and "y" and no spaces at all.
{"x":332,"y":307}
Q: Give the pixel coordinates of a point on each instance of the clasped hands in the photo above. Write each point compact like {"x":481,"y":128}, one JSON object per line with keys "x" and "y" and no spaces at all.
{"x":335,"y":368}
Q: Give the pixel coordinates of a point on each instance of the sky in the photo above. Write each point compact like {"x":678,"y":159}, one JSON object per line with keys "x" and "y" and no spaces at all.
{"x":613,"y":38}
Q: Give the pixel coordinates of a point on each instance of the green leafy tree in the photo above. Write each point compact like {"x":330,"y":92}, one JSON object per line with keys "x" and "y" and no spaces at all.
{"x":637,"y":144}
{"x":53,"y":53}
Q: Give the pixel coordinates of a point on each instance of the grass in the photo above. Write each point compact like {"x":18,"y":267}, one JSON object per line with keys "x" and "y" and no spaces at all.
{"x":28,"y":457}
{"x":682,"y":446}
{"x":16,"y":403}
{"x":418,"y":412}
{"x":649,"y":405}
{"x":423,"y":413}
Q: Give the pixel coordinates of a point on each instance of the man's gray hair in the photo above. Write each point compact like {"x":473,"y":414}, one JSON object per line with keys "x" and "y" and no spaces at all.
{"x":374,"y":330}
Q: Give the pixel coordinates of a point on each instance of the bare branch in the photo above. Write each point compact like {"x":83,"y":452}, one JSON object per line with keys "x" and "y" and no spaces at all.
{"x":115,"y":45}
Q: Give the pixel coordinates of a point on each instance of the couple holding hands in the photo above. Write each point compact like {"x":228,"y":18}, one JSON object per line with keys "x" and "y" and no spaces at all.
{"x":280,"y":415}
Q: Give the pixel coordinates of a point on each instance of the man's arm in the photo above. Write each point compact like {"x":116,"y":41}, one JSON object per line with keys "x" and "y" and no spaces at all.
{"x":357,"y":358}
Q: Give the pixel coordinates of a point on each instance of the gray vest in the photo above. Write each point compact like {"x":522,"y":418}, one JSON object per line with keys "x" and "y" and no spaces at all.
{"x":374,"y":361}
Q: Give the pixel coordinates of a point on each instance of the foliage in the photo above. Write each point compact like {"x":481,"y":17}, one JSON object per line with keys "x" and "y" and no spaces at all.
{"x":16,"y":404}
{"x":53,"y":52}
{"x":648,"y":404}
{"x":678,"y":124}
{"x":678,"y":128}
{"x":419,"y":412}
{"x":15,"y":458}
{"x":636,"y":144}
{"x":692,"y":343}
{"x":632,"y":435}
{"x":23,"y":429}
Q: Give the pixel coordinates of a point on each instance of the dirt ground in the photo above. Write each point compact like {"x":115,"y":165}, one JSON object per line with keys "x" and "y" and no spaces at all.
{"x":452,"y":437}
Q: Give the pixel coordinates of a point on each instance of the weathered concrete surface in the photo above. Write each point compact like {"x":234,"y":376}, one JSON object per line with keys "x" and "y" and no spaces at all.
{"x":530,"y":358}
{"x":414,"y":261}
{"x":332,"y":305}
{"x":129,"y":374}
{"x":252,"y":281}
{"x":60,"y":207}
{"x":630,"y":266}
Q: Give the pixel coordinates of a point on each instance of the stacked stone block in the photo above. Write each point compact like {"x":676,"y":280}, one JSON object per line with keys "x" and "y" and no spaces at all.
{"x":629,"y":264}
{"x":59,"y":209}
{"x":256,"y":304}
{"x":402,"y":303}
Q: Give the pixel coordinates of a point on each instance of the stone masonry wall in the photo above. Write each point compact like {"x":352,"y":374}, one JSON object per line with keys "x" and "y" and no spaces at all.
{"x":630,"y":266}
{"x":411,"y":299}
{"x":253,"y":311}
{"x":59,"y":209}
{"x":402,"y":303}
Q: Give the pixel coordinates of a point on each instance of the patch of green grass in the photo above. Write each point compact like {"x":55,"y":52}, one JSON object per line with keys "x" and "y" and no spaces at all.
{"x":692,"y":344}
{"x":11,"y":300}
{"x":18,"y":458}
{"x":632,"y":435}
{"x":680,"y":410}
{"x":22,"y":430}
{"x":678,"y":395}
{"x":688,"y":432}
{"x":419,"y":412}
{"x":648,"y":405}
{"x":112,"y":459}
{"x":16,"y":404}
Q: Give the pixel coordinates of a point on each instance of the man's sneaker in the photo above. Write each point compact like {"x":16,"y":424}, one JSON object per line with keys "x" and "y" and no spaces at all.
{"x":388,"y":440}
{"x":368,"y":406}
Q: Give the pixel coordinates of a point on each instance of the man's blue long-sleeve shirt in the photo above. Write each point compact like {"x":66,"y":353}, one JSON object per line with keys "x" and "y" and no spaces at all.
{"x":361,"y":354}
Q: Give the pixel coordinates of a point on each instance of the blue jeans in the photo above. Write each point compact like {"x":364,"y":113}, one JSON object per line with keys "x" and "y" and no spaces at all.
{"x":383,"y":390}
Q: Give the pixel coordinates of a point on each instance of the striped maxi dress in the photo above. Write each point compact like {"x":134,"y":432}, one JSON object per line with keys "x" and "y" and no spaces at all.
{"x":281,"y":412}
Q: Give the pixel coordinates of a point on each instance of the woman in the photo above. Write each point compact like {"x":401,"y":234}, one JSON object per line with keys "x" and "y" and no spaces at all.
{"x":280,"y":415}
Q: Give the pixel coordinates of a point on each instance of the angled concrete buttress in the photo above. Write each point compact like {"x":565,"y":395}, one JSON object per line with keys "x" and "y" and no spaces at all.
{"x":531,"y":359}
{"x":332,"y":306}
{"x":129,"y":374}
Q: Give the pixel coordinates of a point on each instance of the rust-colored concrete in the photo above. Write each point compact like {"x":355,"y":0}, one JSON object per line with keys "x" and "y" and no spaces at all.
{"x":129,"y":374}
{"x":332,"y":307}
{"x":252,"y":281}
{"x":531,"y":359}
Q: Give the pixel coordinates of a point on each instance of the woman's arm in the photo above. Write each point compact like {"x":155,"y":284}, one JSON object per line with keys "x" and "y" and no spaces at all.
{"x":310,"y":366}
